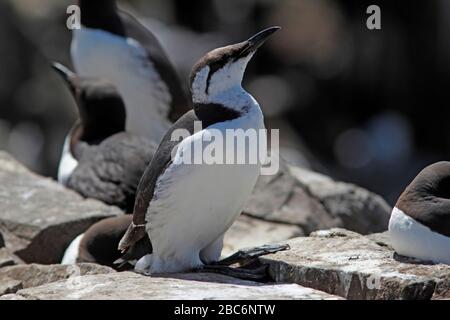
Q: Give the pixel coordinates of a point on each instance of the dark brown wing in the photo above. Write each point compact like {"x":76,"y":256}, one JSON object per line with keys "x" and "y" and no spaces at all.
{"x":427,"y":198}
{"x":146,"y":187}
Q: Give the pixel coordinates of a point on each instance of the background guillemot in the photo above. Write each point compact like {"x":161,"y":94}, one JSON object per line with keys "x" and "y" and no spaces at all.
{"x":420,"y":222}
{"x":100,"y":160}
{"x":112,"y":44}
{"x":99,"y":243}
{"x":185,"y":209}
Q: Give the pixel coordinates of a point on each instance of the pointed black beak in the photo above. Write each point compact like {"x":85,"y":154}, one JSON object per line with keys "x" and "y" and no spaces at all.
{"x":68,"y":76}
{"x":258,"y":40}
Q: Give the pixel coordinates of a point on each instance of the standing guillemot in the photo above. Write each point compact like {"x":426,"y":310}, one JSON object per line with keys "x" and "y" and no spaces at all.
{"x":112,"y":44}
{"x":185,"y":209}
{"x":420,"y":222}
{"x":100,"y":160}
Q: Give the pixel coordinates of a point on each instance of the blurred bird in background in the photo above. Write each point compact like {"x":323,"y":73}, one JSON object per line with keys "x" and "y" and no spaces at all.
{"x":112,"y":44}
{"x":365,"y":106}
{"x":100,"y":159}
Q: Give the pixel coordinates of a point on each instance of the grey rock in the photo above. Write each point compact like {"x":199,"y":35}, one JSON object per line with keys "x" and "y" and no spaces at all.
{"x":12,"y":242}
{"x":382,"y":239}
{"x":442,"y":290}
{"x":353,"y":266}
{"x":42,"y":215}
{"x":7,"y":258}
{"x":128,"y":285}
{"x":281,"y":198}
{"x":314,"y":201}
{"x":33,"y":275}
{"x":9,"y":286}
{"x":357,"y":209}
{"x":251,"y":232}
{"x":11,"y":297}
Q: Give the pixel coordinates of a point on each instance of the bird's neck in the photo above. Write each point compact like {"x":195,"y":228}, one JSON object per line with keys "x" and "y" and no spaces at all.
{"x":228,"y":106}
{"x":235,"y":98}
{"x":101,"y":14}
{"x":94,"y":132}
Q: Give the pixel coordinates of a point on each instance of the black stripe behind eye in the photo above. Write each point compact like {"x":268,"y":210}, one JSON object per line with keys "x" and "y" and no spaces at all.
{"x":216,"y":59}
{"x":208,"y":80}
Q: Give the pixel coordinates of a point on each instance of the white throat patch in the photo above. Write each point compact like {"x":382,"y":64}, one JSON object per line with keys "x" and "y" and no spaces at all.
{"x":224,"y":85}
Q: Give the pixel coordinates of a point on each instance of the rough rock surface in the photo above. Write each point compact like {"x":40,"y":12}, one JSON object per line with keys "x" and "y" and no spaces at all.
{"x":12,"y":297}
{"x":39,"y":218}
{"x":42,"y":215}
{"x":33,"y":275}
{"x":12,"y":243}
{"x":314,"y":201}
{"x":8,"y":285}
{"x":353,"y":266}
{"x":251,"y":232}
{"x":442,"y":290}
{"x":128,"y":285}
{"x":7,"y":258}
{"x":382,"y":239}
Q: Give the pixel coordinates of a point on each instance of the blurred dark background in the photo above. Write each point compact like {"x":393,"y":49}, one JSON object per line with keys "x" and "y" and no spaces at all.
{"x":364,"y":106}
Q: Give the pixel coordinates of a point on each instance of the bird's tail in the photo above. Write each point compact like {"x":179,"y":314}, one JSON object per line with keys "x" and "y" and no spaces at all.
{"x":134,"y":244}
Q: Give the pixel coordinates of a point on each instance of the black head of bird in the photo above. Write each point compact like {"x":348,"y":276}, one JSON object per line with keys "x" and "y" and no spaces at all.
{"x":100,"y":106}
{"x":222,"y":69}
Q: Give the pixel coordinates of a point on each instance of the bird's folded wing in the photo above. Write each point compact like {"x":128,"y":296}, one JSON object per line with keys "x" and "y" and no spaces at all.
{"x":146,"y":188}
{"x":111,"y":171}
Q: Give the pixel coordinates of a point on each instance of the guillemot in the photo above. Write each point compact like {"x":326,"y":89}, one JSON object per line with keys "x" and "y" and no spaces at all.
{"x":112,"y":44}
{"x":420,"y":221}
{"x":99,"y":243}
{"x":99,"y":159}
{"x":183,"y":208}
